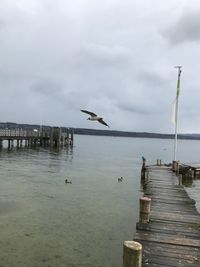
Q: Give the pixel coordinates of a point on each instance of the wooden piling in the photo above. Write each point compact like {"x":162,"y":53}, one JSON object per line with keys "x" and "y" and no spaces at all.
{"x":72,"y":137}
{"x":180,"y":177}
{"x":193,"y":174}
{"x":132,"y":254}
{"x":159,"y":162}
{"x":177,"y":167}
{"x":147,"y":175}
{"x":26,"y":143}
{"x":145,"y":206}
{"x":173,"y":165}
{"x":9,"y":143}
{"x":143,"y":164}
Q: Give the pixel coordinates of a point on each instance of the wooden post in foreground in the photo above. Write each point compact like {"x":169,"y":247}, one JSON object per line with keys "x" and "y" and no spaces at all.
{"x":132,"y":254}
{"x":145,"y":206}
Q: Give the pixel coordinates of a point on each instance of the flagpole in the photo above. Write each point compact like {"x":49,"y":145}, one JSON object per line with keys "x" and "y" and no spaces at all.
{"x":176,"y":111}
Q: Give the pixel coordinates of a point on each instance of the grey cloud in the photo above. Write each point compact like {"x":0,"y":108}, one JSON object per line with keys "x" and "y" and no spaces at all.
{"x":106,"y":54}
{"x":58,"y":57}
{"x":135,"y":108}
{"x":2,"y":24}
{"x":157,"y":87}
{"x":186,"y":29}
{"x":152,"y":79}
{"x":47,"y":87}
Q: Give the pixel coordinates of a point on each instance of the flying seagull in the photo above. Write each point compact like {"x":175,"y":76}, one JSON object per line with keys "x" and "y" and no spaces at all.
{"x":94,"y":117}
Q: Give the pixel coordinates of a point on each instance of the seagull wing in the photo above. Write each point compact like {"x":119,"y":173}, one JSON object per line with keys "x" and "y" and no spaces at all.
{"x":90,"y":113}
{"x":103,"y":122}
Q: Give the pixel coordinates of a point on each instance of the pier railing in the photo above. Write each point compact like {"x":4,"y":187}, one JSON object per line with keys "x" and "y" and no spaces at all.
{"x":53,"y":136}
{"x":13,"y":133}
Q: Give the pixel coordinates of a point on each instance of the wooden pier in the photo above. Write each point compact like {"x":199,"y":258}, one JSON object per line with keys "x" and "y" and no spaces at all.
{"x":170,"y":232}
{"x":53,"y":136}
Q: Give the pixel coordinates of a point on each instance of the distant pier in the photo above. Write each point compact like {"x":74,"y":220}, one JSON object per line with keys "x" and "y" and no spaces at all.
{"x":168,"y":231}
{"x":54,"y":137}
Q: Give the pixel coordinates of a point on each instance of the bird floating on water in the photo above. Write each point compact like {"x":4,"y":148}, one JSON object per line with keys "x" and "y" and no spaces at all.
{"x":120,"y":179}
{"x":68,"y":182}
{"x":95,"y":117}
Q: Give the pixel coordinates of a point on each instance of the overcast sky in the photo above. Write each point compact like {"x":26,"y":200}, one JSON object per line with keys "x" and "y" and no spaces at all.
{"x":113,"y":57}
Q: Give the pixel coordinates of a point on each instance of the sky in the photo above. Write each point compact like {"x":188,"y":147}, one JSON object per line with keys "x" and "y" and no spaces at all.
{"x":113,"y":57}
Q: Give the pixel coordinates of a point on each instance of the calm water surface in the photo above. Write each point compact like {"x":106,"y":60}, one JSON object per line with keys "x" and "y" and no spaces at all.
{"x":45,"y":222}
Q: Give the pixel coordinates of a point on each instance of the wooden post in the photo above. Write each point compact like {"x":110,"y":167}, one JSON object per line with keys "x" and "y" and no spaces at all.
{"x":173,"y":165}
{"x":180,"y":179}
{"x":143,"y":163}
{"x":145,"y":206}
{"x":67,"y":137}
{"x":159,"y":162}
{"x":177,"y":167}
{"x":72,"y":137}
{"x":147,"y":175}
{"x":192,"y":173}
{"x":132,"y":254}
{"x":29,"y":142}
{"x":143,"y":170}
{"x":9,"y":143}
{"x":26,"y":142}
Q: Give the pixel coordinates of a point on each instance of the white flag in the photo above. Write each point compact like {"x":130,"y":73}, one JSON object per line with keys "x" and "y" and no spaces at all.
{"x":173,"y":111}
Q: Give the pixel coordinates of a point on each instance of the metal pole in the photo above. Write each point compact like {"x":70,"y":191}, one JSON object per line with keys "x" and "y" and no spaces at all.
{"x":176,"y":111}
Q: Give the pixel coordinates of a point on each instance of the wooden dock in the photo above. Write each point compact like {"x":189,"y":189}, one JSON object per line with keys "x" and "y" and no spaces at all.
{"x":53,"y":136}
{"x":190,"y":169}
{"x":171,"y":238}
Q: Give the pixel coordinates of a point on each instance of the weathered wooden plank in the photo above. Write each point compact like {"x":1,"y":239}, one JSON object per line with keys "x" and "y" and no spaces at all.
{"x":173,"y":255}
{"x":168,"y":193}
{"x":174,"y":200}
{"x":169,"y":239}
{"x":174,"y":208}
{"x":169,"y":216}
{"x":170,"y":229}
{"x":172,"y":262}
{"x":170,"y":248}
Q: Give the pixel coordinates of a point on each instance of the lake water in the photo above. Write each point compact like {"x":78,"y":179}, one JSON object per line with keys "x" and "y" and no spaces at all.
{"x":45,"y":222}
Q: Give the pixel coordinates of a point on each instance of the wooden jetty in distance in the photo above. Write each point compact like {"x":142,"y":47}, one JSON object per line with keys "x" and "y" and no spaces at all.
{"x":53,"y":136}
{"x":168,"y":232}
